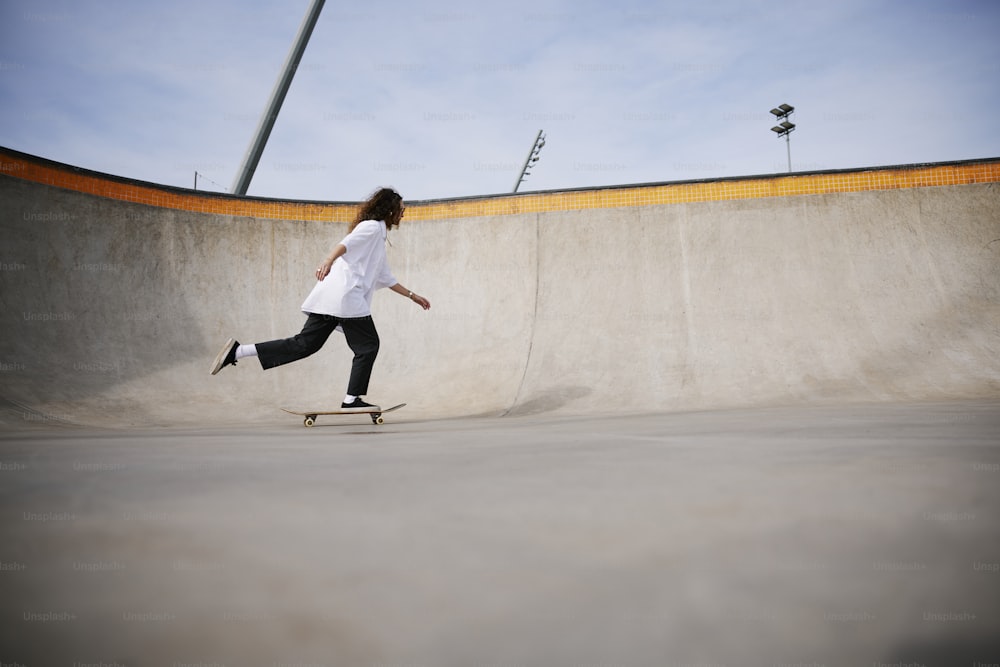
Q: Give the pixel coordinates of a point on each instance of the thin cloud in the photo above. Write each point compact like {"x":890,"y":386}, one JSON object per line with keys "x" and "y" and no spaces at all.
{"x":445,"y":100}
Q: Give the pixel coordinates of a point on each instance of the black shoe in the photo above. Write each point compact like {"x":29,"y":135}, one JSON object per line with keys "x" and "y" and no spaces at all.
{"x":226,"y":356}
{"x":359,"y":405}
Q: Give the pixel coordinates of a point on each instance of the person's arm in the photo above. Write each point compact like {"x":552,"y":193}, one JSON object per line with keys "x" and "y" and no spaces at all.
{"x":415,"y":298}
{"x":324,"y":270}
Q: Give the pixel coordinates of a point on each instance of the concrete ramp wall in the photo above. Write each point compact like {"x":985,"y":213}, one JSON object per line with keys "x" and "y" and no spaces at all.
{"x":881,"y":295}
{"x":555,"y":303}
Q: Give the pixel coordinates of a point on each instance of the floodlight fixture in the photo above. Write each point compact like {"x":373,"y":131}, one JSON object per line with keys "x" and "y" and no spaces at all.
{"x":785,"y":127}
{"x":533,"y":157}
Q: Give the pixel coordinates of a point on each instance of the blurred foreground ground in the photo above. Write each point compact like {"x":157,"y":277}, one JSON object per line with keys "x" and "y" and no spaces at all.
{"x":839,"y":535}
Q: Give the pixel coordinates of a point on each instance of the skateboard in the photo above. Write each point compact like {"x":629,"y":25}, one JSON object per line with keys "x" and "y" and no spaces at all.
{"x":375,"y":413}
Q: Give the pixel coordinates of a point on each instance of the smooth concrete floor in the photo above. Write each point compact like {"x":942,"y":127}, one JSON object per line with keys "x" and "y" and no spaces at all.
{"x":839,"y":535}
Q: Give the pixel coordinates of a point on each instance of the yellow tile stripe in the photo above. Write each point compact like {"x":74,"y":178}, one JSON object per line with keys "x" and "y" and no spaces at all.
{"x":70,"y":178}
{"x":885,"y":178}
{"x":890,"y":178}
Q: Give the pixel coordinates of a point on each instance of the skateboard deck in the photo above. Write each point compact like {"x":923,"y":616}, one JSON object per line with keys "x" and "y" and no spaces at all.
{"x":310,"y":415}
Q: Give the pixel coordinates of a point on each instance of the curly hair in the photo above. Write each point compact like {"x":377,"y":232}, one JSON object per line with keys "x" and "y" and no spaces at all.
{"x":385,"y":204}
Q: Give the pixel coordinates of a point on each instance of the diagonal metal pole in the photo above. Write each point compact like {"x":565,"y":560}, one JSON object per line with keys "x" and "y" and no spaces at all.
{"x":266,"y":123}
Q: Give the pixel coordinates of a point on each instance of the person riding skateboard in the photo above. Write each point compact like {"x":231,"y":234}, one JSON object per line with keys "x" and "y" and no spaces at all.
{"x":341,"y":299}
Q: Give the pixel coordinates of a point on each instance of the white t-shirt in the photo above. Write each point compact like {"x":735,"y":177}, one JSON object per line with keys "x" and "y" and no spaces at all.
{"x":347,"y":291}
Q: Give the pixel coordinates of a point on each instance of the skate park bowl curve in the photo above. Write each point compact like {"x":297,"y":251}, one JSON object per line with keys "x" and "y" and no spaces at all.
{"x":878,"y":284}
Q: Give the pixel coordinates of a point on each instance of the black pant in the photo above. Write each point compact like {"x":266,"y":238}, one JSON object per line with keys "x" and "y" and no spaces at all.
{"x":361,"y":337}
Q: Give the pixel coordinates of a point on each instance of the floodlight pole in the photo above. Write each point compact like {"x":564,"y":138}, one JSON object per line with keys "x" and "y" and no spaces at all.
{"x":266,"y":123}
{"x":785,"y":127}
{"x":532,"y":158}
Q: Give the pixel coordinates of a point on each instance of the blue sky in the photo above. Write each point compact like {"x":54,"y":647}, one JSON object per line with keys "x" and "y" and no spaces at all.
{"x":444,"y":99}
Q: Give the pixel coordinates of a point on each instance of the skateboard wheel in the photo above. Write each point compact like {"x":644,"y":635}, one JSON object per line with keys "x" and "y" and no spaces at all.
{"x":376,"y":417}
{"x":379,"y":420}
{"x":309,"y":421}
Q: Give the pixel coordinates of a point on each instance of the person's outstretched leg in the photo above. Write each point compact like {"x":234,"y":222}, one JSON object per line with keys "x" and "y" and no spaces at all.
{"x":308,"y":341}
{"x":277,"y":352}
{"x":362,"y":338}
